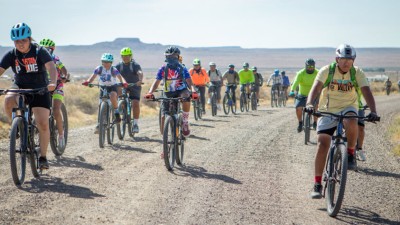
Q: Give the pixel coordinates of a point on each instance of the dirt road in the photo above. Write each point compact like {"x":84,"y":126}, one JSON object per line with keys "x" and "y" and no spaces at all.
{"x":252,"y":168}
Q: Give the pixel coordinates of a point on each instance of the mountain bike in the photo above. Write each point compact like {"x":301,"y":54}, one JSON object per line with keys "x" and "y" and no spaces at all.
{"x":24,"y":136}
{"x":244,"y":101}
{"x":125,"y":110}
{"x":253,"y":97}
{"x":275,"y":95}
{"x":54,"y":130}
{"x":335,"y":172}
{"x":388,"y":89}
{"x":197,"y":107}
{"x":214,"y":96}
{"x":173,"y":139}
{"x":161,"y":107}
{"x":106,"y":117}
{"x":229,"y":104}
{"x":283,"y":96}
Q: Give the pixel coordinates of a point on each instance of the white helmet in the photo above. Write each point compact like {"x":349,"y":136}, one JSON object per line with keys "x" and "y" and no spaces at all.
{"x":212,"y":64}
{"x":345,"y":51}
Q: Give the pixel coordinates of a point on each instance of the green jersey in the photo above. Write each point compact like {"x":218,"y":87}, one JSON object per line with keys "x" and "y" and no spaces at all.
{"x":304,"y":81}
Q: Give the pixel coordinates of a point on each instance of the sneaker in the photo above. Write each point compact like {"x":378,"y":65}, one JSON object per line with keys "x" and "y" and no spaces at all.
{"x":314,"y":125}
{"x":135,"y":128}
{"x":185,"y":129}
{"x":209,"y":101}
{"x":43,"y":164}
{"x":300,"y":127}
{"x":96,"y":130}
{"x":361,"y":155}
{"x":61,"y":142}
{"x":351,"y":164}
{"x":317,"y":191}
{"x":117,"y":118}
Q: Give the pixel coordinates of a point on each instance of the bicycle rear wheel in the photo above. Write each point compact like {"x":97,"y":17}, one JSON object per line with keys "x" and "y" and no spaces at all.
{"x":55,"y":147}
{"x":336,"y":182}
{"x":169,"y":143}
{"x":226,"y":104}
{"x":307,"y":127}
{"x":121,"y":127}
{"x":17,"y":153}
{"x":103,"y":123}
{"x":111,"y":127}
{"x":180,"y":150}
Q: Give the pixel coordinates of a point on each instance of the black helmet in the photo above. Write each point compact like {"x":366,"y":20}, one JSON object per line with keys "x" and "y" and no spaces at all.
{"x":231,"y":66}
{"x":283,"y":72}
{"x":172,"y":50}
{"x":310,"y":62}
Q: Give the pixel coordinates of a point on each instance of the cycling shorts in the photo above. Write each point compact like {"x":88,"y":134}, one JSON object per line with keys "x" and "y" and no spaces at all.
{"x":59,"y":92}
{"x":328,"y":124}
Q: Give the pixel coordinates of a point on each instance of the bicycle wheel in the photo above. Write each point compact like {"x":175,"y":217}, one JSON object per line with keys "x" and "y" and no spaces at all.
{"x":129,"y":119}
{"x":336,"y":183}
{"x":169,"y":143}
{"x":242,"y":101}
{"x":103,"y":123}
{"x":180,"y":150}
{"x":17,"y":153}
{"x":226,"y":104}
{"x":34,"y":151}
{"x":111,"y":127}
{"x":253,"y":101}
{"x":247,"y":104}
{"x":160,"y":114}
{"x":307,"y":128}
{"x":54,"y":132}
{"x":233,"y":106}
{"x":195,"y":110}
{"x":213,"y":104}
{"x":121,"y":127}
{"x":272,"y":99}
{"x":199,"y":109}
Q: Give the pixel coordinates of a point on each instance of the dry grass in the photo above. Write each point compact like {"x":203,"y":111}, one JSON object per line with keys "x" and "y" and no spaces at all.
{"x":394,"y":131}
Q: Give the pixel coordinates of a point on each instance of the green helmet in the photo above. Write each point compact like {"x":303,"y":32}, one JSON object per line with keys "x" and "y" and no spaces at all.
{"x":47,"y":43}
{"x":196,"y":62}
{"x":126,"y":51}
{"x":246,"y":64}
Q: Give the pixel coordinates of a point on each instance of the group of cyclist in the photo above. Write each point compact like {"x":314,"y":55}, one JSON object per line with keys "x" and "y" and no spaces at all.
{"x":338,"y":87}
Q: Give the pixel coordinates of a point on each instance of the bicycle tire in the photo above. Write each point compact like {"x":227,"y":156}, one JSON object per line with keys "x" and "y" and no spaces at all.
{"x":180,"y":150}
{"x":130,"y":120}
{"x":338,"y":165}
{"x":247,"y":103}
{"x":233,"y":107}
{"x":225,"y":104}
{"x":195,"y":110}
{"x":33,"y":153}
{"x":160,"y":115}
{"x":17,"y":171}
{"x":121,"y":127}
{"x":111,"y":127}
{"x":307,"y":127}
{"x":242,"y":102}
{"x":213,"y":105}
{"x":103,"y":123}
{"x":272,"y":99}
{"x":253,"y":101}
{"x":199,"y":110}
{"x":169,"y":143}
{"x":54,"y":132}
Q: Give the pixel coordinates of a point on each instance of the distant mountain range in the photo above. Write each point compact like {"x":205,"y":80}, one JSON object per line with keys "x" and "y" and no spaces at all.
{"x":84,"y":58}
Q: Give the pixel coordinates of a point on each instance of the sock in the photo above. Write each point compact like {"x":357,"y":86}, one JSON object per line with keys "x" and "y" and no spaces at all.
{"x":135,"y":121}
{"x":185,"y":117}
{"x":116,"y":111}
{"x":350,"y":151}
{"x":318,"y":179}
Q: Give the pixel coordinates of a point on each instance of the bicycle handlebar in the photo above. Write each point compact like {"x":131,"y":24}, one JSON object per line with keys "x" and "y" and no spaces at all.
{"x":365,"y":118}
{"x":33,"y":91}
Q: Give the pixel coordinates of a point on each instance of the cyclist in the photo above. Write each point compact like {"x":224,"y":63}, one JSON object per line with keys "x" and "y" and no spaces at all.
{"x":338,"y":96}
{"x":398,"y":84}
{"x":58,"y":95}
{"x":232,"y":78}
{"x":304,"y":80}
{"x":216,"y":80}
{"x":388,"y":84}
{"x":132,"y":72}
{"x":108,"y":75}
{"x":200,"y":79}
{"x":177,"y":83}
{"x":246,"y":77}
{"x":30,"y":64}
{"x":285,"y":84}
{"x":258,"y":81}
{"x":276,"y":81}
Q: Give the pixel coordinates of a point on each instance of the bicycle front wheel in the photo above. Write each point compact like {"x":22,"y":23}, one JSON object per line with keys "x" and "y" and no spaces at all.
{"x":180,"y":149}
{"x":121,"y":127}
{"x":195,"y":111}
{"x":336,"y":183}
{"x":242,"y":102}
{"x":169,"y":143}
{"x":55,"y":147}
{"x":17,"y":151}
{"x":213,"y":104}
{"x":226,"y":104}
{"x":253,"y":100}
{"x":199,"y":109}
{"x":111,"y":126}
{"x":34,"y":151}
{"x":103,"y":123}
{"x":307,"y":127}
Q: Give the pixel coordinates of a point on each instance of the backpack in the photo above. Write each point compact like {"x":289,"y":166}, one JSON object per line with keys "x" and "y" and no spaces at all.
{"x":216,"y":71}
{"x":101,"y":69}
{"x":130,"y":66}
{"x":332,"y":68}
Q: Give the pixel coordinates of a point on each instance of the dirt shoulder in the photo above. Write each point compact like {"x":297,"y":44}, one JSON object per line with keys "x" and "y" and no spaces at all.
{"x":251,"y":168}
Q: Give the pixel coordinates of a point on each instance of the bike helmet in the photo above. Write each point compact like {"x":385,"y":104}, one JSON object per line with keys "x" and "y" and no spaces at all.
{"x":126,"y":51}
{"x":246,"y":64}
{"x":310,"y":62}
{"x":345,"y":51}
{"x":196,"y":62}
{"x":20,"y":31}
{"x":107,"y":57}
{"x":47,"y":43}
{"x":231,"y":66}
{"x":276,"y":72}
{"x":254,"y":68}
{"x":172,"y":50}
{"x":283,"y":72}
{"x":212,"y":64}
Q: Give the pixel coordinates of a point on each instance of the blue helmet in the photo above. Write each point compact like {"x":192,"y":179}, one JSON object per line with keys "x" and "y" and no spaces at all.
{"x":107,"y":57}
{"x":20,"y":31}
{"x":276,"y":72}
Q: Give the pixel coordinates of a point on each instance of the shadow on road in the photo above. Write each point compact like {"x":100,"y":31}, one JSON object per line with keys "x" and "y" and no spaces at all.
{"x":200,"y":172}
{"x":76,"y":162}
{"x":356,"y":215}
{"x":201,"y":125}
{"x":145,"y":139}
{"x":125,"y":147}
{"x":377,"y":173}
{"x":198,"y":138}
{"x":215,"y":120}
{"x":54,"y":184}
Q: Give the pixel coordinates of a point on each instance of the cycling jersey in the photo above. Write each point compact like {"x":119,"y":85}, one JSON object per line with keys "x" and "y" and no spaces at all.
{"x":246,"y":77}
{"x":215,"y":76}
{"x":276,"y":79}
{"x":175,"y":80}
{"x":231,"y":77}
{"x":258,"y":79}
{"x":285,"y":81}
{"x":129,"y":71}
{"x":200,"y":77}
{"x":107,"y":77}
{"x":340,"y":93}
{"x":304,"y":81}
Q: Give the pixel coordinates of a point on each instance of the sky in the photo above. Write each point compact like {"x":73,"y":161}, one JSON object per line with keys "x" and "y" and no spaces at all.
{"x":208,"y":23}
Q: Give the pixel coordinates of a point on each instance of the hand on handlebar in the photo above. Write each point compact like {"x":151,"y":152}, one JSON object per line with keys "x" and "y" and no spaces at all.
{"x":309,"y":109}
{"x":125,"y":85}
{"x":195,"y":96}
{"x":86,"y":83}
{"x":291,"y":94}
{"x":51,"y":87}
{"x":149,"y":96}
{"x":372,"y":117}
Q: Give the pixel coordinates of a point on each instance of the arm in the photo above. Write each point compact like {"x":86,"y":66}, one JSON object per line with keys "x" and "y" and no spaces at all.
{"x":252,"y":78}
{"x":2,"y":70}
{"x":369,"y":98}
{"x":120,"y":78}
{"x":190,"y":84}
{"x":315,"y":90}
{"x":51,"y":68}
{"x":91,"y":78}
{"x":140,"y":74}
{"x":269,"y":79}
{"x":295,"y":83}
{"x":154,"y":86}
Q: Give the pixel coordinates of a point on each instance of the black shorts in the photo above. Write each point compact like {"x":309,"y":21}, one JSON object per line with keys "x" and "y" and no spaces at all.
{"x":182,"y":93}
{"x":37,"y":100}
{"x":109,"y":90}
{"x":134,"y":92}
